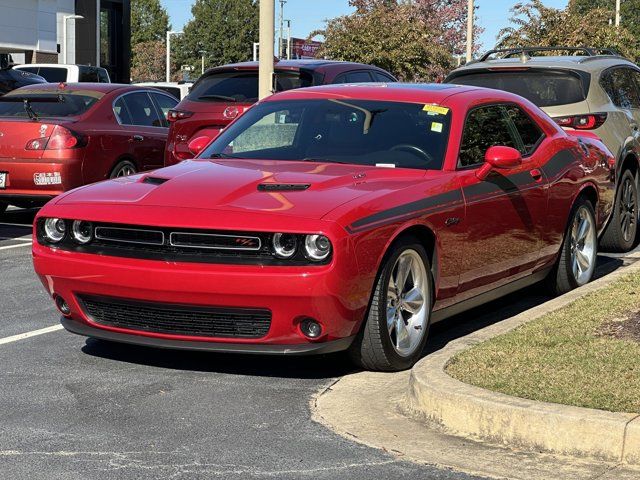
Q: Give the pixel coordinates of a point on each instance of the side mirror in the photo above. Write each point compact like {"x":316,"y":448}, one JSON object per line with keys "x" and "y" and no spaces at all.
{"x":499,"y":158}
{"x":198,"y":144}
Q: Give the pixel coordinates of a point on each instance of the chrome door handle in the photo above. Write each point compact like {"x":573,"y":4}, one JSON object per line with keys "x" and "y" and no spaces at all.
{"x":137,"y":138}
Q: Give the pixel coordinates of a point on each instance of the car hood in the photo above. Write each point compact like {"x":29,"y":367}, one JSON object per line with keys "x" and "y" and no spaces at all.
{"x":303,"y":189}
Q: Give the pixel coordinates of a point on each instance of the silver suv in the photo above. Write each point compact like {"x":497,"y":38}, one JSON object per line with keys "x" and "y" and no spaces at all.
{"x":593,"y":90}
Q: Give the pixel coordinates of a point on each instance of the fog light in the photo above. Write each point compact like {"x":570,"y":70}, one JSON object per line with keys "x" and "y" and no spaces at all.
{"x":62,"y":305}
{"x":310,"y":328}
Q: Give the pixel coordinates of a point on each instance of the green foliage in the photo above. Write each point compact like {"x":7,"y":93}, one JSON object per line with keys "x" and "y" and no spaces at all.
{"x":538,"y":25}
{"x":224,"y":29}
{"x":149,"y":21}
{"x":410,"y":39}
{"x":149,"y":64}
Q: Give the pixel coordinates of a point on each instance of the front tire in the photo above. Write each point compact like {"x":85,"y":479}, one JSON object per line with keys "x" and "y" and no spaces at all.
{"x":620,"y":234}
{"x":578,"y":254}
{"x":399,"y":315}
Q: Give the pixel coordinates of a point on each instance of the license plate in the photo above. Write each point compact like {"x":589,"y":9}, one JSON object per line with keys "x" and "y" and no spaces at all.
{"x":3,"y":179}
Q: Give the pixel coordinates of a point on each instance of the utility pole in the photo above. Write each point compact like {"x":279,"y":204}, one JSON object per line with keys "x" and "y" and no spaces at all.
{"x":168,"y":62}
{"x":281,"y":31}
{"x":470,"y":14}
{"x":202,"y":54}
{"x":267,"y":34}
{"x":617,"y":13}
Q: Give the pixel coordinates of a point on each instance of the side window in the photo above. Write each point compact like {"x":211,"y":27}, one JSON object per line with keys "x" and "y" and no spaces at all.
{"x":621,"y":87}
{"x":484,"y":128}
{"x":87,"y":74}
{"x":358,"y":77}
{"x":141,"y":110}
{"x":342,"y":78}
{"x":164,"y":103}
{"x":529,"y":131}
{"x":103,"y":76}
{"x":120,"y":109}
{"x":381,"y":77}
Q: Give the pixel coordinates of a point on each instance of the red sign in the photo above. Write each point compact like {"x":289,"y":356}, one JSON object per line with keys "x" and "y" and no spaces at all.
{"x":301,"y":48}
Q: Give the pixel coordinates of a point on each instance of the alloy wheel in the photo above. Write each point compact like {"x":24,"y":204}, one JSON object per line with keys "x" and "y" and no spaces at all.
{"x":583,"y":246}
{"x":125,"y":171}
{"x":628,"y":213}
{"x":408,"y":301}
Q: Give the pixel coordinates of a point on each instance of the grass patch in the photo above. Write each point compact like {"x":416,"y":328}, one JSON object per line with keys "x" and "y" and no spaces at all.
{"x":565,"y":356}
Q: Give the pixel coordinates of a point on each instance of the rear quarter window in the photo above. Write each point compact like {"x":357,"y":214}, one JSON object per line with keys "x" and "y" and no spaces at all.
{"x":546,"y":88}
{"x":53,"y":74}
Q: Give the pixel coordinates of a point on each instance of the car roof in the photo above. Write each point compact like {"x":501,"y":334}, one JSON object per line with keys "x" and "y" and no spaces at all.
{"x":58,"y":65}
{"x":298,"y":63}
{"x":162,"y":84}
{"x":573,"y":62}
{"x":399,"y":92}
{"x":103,"y":88}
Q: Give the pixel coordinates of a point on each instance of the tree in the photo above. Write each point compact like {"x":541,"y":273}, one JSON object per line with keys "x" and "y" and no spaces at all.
{"x":149,"y":62}
{"x":414,"y":40}
{"x":538,"y":25}
{"x":149,"y":21}
{"x":224,"y":30}
{"x":149,"y":25}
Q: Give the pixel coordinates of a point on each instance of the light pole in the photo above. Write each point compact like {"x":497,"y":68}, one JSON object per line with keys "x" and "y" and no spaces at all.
{"x":281,"y":31}
{"x":470,"y":12}
{"x":203,"y":53}
{"x":617,"y":13}
{"x":265,"y":54}
{"x":64,"y":34}
{"x":168,"y":66}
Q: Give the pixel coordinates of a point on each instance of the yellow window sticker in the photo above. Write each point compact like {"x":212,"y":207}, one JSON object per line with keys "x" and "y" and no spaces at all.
{"x":436,"y":127}
{"x":435,"y":109}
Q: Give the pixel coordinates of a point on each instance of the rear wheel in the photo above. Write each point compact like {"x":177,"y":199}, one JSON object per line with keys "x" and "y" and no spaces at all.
{"x":397,"y":323}
{"x":621,"y":232}
{"x":579,"y":251}
{"x":123,"y":169}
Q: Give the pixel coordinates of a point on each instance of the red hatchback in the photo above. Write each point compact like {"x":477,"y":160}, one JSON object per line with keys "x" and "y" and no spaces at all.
{"x":223,"y":93}
{"x":332,"y":218}
{"x":55,"y":137}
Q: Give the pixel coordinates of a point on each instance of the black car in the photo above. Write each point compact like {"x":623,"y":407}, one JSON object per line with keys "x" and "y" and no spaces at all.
{"x":11,"y":79}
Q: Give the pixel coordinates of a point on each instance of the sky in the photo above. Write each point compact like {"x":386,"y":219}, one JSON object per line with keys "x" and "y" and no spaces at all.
{"x":308,"y":15}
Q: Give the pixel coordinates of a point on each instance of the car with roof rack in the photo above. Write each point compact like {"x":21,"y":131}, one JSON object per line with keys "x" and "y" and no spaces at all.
{"x":591,"y":90}
{"x":223,"y":93}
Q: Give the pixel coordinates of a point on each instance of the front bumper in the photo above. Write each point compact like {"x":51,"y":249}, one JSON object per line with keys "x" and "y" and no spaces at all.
{"x":329,"y":294}
{"x":83,"y":329}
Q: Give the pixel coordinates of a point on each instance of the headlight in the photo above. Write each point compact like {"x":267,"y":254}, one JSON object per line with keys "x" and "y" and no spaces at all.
{"x":54,"y":229}
{"x":81,"y":231}
{"x":317,"y":247}
{"x":284,"y":245}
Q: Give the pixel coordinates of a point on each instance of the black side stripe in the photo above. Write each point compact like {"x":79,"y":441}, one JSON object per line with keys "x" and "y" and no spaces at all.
{"x":558,"y":163}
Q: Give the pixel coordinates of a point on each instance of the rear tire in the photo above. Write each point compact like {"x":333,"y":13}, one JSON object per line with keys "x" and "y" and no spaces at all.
{"x":620,"y":234}
{"x":123,"y":169}
{"x":399,"y":315}
{"x":577,"y":261}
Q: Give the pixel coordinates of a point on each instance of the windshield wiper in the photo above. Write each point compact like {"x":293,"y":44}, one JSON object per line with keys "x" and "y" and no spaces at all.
{"x":324,"y":160}
{"x":223,"y":98}
{"x":223,"y":155}
{"x":27,"y":108}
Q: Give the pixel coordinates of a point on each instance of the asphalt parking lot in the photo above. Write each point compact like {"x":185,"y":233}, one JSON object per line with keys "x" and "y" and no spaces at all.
{"x":75,"y":408}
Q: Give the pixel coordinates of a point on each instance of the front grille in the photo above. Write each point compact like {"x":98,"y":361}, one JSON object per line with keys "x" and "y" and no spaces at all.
{"x":177,"y":319}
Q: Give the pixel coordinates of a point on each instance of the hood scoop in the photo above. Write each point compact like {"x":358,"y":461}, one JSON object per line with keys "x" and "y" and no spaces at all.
{"x":154,"y":180}
{"x":283,"y":187}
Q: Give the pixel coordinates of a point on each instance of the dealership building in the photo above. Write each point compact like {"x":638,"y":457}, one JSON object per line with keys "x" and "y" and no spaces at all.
{"x":88,"y":32}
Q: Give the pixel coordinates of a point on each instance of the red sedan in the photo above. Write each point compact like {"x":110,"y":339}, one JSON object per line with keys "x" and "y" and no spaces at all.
{"x":332,"y":218}
{"x":225,"y":92}
{"x":55,"y":137}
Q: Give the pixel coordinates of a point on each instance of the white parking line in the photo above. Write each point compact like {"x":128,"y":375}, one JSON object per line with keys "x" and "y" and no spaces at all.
{"x":24,"y":225}
{"x":25,"y":238}
{"x":7,"y":247}
{"x":33,"y":333}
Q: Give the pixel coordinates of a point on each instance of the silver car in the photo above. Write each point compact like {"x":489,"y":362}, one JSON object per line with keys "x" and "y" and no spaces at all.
{"x":592,"y":90}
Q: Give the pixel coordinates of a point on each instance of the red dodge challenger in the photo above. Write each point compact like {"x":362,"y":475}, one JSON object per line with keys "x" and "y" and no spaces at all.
{"x":332,"y":218}
{"x":55,"y":137}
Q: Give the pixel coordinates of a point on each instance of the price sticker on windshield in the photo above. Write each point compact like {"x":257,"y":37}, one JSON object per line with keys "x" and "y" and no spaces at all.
{"x":435,"y":109}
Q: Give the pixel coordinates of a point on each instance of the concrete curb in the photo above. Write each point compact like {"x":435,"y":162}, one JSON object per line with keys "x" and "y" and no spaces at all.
{"x":477,"y":413}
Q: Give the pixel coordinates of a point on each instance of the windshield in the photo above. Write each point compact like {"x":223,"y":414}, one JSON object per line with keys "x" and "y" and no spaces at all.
{"x":543,"y":88}
{"x":243,"y":86}
{"x":363,"y":132}
{"x":57,"y":104}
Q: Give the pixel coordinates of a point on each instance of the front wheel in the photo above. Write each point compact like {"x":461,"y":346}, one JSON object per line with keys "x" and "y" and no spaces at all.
{"x":123,"y":169}
{"x":398,"y":319}
{"x":577,"y":261}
